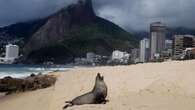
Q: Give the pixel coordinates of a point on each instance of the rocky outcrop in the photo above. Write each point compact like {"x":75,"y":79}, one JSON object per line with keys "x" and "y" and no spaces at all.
{"x":10,"y":85}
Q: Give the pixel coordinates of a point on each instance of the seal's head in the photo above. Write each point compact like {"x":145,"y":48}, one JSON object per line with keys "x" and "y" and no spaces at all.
{"x":99,"y":77}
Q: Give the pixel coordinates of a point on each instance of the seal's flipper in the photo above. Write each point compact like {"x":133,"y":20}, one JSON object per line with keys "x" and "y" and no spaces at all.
{"x":105,"y":101}
{"x":68,"y":105}
{"x":70,"y":102}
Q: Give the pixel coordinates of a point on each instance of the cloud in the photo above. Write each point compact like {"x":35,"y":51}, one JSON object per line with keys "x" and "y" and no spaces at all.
{"x":130,"y":14}
{"x":12,"y":11}
{"x":138,"y":14}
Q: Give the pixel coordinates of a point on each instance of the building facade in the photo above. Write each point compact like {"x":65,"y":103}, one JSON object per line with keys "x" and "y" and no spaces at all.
{"x":181,"y":42}
{"x":168,"y":44}
{"x":168,"y":52}
{"x":144,"y":50}
{"x":135,"y":55}
{"x":11,"y":53}
{"x":121,"y":57}
{"x":157,"y":39}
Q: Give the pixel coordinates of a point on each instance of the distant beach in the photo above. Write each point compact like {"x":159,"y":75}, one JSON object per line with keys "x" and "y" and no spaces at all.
{"x":151,"y":86}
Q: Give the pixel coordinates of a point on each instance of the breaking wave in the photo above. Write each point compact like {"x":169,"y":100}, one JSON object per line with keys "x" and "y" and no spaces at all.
{"x":19,"y":71}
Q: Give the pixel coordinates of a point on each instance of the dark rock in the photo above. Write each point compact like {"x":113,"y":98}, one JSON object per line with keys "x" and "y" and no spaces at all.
{"x":32,"y":75}
{"x":9,"y":84}
{"x":33,"y":82}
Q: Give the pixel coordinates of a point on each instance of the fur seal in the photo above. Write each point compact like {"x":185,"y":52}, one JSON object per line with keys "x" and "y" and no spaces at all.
{"x":96,"y":96}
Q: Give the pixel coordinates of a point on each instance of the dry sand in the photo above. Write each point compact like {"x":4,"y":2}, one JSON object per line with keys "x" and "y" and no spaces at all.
{"x":152,"y":86}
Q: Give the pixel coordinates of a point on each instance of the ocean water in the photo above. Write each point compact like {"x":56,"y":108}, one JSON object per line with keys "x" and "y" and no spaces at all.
{"x":18,"y":71}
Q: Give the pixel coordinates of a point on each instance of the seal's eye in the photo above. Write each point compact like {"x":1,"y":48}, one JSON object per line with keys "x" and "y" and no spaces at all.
{"x":102,"y":78}
{"x":98,"y":75}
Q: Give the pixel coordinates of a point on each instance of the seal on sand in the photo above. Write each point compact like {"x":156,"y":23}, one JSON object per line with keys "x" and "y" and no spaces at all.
{"x":96,"y":96}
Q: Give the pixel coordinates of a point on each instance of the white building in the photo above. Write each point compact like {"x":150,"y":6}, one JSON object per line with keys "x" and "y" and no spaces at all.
{"x":122,"y":57}
{"x":11,"y":53}
{"x":144,"y":50}
{"x":117,"y":54}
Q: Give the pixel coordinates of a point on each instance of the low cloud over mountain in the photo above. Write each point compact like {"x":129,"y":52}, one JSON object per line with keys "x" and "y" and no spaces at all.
{"x":130,"y":14}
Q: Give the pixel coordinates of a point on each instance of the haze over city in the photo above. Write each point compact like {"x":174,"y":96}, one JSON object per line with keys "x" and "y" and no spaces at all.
{"x":129,"y":14}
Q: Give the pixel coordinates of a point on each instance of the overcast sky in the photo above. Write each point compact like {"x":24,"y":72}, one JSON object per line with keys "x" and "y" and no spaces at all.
{"x":129,"y":14}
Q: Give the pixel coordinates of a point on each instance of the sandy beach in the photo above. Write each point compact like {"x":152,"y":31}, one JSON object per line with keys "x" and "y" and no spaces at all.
{"x":152,"y":86}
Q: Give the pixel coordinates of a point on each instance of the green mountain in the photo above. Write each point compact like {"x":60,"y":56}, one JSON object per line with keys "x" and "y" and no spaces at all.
{"x":72,"y":32}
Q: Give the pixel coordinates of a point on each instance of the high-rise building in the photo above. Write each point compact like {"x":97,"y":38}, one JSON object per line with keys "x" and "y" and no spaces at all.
{"x":181,"y":42}
{"x":157,"y":39}
{"x":12,"y":51}
{"x":144,"y":50}
{"x":11,"y":54}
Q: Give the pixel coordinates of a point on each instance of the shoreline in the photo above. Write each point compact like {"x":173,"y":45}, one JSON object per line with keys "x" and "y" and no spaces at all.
{"x":63,"y":68}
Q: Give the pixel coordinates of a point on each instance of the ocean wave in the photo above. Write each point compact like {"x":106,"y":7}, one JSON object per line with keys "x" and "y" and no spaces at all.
{"x":47,"y":69}
{"x":26,"y":71}
{"x":20,"y":75}
{"x":15,"y":75}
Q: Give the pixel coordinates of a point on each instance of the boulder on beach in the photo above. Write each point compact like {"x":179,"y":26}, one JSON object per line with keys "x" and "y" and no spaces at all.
{"x":33,"y":82}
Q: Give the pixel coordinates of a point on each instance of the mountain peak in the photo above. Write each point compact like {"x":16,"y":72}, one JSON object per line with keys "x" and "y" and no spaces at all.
{"x":82,"y":11}
{"x":87,"y":2}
